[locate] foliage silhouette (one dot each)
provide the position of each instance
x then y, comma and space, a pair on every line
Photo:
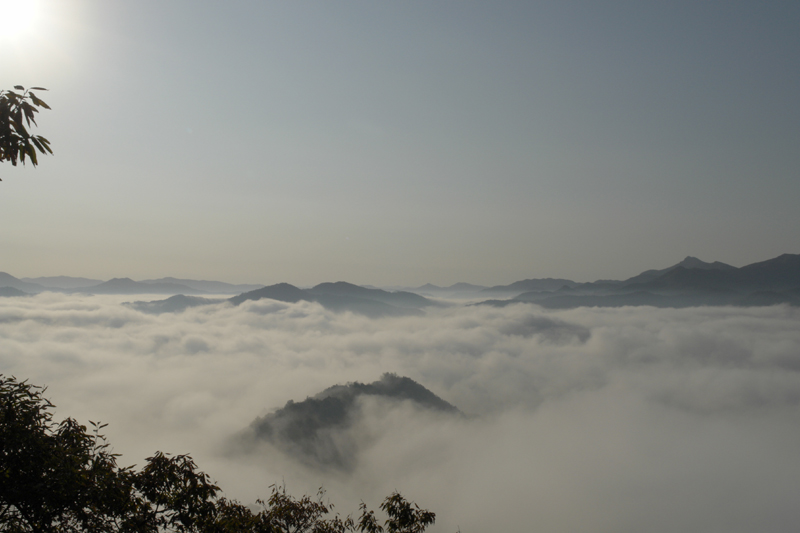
61, 478
17, 113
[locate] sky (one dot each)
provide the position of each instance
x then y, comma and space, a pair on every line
615, 420
401, 143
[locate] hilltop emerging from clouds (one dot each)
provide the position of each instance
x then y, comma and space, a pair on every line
321, 430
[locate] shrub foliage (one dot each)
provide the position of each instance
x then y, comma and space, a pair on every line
62, 478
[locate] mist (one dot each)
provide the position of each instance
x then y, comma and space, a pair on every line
625, 419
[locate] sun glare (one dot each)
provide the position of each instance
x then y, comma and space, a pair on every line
17, 16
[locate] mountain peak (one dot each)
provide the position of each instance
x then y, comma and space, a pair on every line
319, 431
339, 286
692, 262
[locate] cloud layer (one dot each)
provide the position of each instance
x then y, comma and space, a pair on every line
625, 419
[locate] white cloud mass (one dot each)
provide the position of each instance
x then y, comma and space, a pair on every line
623, 420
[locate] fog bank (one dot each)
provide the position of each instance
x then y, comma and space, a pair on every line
628, 419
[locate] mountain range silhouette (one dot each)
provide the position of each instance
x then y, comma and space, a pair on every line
690, 282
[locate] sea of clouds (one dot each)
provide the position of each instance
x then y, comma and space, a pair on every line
618, 420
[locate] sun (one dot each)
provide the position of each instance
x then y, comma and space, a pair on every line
17, 16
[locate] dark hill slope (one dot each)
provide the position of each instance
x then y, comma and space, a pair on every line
316, 430
782, 272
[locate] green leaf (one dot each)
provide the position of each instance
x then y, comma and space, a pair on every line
37, 101
46, 144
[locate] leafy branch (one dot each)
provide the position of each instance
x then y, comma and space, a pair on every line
17, 114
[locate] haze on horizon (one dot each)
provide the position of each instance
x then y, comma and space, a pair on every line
403, 143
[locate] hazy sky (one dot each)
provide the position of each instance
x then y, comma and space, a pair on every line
403, 142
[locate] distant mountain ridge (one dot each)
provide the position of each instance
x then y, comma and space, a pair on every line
173, 304
688, 263
10, 292
338, 296
283, 292
128, 286
205, 286
343, 296
456, 287
526, 285
71, 284
686, 284
397, 298
689, 282
63, 282
7, 280
782, 272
